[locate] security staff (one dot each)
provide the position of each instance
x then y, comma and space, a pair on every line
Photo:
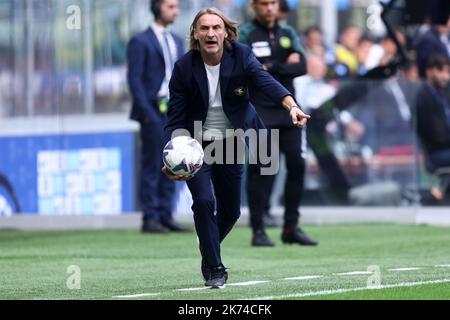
278, 48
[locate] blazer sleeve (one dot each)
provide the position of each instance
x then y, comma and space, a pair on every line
136, 53
263, 81
178, 104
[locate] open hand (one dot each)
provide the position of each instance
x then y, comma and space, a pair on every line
173, 177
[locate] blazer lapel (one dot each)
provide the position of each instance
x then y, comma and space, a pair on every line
226, 69
200, 77
155, 42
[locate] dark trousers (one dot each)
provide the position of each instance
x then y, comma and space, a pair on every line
215, 188
259, 187
157, 191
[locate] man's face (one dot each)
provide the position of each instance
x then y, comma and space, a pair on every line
317, 68
439, 77
266, 10
210, 33
314, 39
169, 11
350, 38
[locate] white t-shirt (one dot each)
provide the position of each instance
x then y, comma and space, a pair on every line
216, 121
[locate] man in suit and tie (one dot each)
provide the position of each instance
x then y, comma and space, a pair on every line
210, 85
151, 55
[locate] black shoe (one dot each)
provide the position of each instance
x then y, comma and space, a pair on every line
153, 226
217, 277
261, 239
174, 227
297, 236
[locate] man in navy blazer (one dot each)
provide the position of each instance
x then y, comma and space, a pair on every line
151, 55
210, 85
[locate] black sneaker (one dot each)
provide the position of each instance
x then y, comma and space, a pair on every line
261, 239
217, 277
297, 235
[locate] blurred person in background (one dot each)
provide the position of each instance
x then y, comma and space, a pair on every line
346, 59
381, 54
283, 12
313, 43
434, 41
314, 91
362, 51
151, 56
433, 111
278, 49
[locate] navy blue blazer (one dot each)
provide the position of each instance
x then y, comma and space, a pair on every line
189, 97
146, 72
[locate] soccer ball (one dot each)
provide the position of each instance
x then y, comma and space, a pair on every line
183, 156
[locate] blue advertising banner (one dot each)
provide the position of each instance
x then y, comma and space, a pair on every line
83, 174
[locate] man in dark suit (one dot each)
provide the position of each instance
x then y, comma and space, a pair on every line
433, 111
151, 56
210, 85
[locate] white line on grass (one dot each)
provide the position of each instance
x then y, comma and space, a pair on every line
193, 289
303, 278
247, 283
353, 273
443, 266
405, 269
139, 295
337, 291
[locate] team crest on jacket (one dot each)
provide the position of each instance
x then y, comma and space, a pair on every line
239, 91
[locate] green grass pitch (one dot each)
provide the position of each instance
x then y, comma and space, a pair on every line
114, 263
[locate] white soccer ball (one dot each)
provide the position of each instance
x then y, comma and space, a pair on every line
183, 156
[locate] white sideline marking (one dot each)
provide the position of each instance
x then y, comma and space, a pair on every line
193, 289
405, 269
247, 283
337, 291
138, 295
303, 278
443, 266
353, 273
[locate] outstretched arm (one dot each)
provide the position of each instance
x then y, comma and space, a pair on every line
275, 91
